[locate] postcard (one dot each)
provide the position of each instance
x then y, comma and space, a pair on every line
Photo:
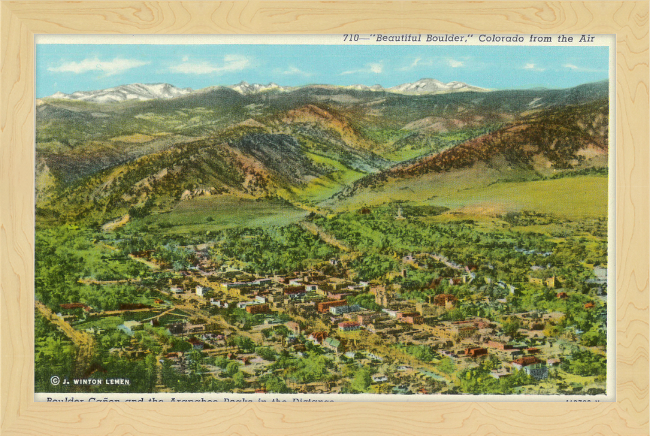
416, 217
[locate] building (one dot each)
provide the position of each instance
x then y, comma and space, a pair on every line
257, 308
324, 306
500, 373
339, 310
463, 329
293, 327
332, 344
336, 283
549, 282
176, 328
367, 318
522, 362
200, 290
218, 303
196, 344
317, 338
475, 352
129, 327
410, 317
381, 296
194, 328
294, 291
337, 295
447, 301
500, 345
379, 378
348, 326
537, 370
278, 300
235, 285
70, 306
391, 313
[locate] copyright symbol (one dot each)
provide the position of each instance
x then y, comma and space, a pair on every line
55, 380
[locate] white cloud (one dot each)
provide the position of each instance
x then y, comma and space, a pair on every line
573, 67
110, 68
230, 63
533, 67
375, 67
295, 71
417, 62
454, 63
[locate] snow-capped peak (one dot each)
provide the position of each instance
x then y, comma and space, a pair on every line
135, 91
244, 87
432, 86
367, 88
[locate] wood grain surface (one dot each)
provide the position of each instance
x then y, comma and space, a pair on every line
20, 21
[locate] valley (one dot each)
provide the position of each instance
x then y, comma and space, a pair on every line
323, 239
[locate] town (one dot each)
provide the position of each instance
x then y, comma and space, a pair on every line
213, 324
422, 238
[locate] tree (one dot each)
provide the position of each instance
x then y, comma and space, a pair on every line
195, 361
232, 368
275, 384
447, 366
511, 327
361, 380
267, 353
383, 388
239, 379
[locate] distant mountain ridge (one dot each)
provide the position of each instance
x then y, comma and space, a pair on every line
135, 91
305, 145
433, 86
161, 91
245, 88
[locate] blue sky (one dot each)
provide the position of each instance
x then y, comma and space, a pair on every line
75, 67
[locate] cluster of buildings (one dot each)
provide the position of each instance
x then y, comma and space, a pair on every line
322, 312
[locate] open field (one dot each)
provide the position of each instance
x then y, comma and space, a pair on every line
222, 212
571, 197
576, 197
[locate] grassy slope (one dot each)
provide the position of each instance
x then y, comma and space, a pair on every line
225, 212
324, 187
576, 197
571, 197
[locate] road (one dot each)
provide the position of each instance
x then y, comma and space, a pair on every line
84, 342
326, 237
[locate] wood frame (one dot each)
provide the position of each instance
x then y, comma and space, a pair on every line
20, 21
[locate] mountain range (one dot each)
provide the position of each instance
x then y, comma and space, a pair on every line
136, 91
315, 147
142, 92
